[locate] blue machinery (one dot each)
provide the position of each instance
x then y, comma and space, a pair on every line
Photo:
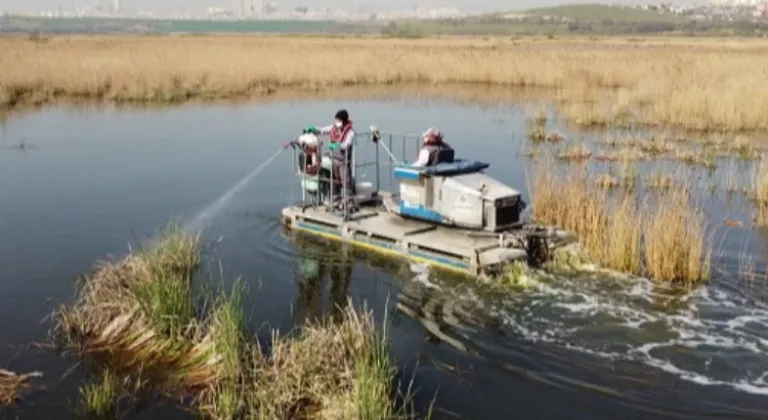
451, 215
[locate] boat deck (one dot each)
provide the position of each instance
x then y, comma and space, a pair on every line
376, 229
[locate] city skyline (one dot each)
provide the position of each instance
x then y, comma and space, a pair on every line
165, 6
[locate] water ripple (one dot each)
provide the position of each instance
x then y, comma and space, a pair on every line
646, 332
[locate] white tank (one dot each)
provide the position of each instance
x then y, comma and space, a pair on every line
309, 139
364, 189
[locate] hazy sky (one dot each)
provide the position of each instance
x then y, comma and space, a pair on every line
198, 5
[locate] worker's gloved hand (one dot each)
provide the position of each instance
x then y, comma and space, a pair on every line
334, 146
311, 129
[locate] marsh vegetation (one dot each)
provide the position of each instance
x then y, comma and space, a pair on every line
638, 201
701, 85
138, 318
639, 198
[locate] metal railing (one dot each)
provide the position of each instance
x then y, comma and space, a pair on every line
366, 148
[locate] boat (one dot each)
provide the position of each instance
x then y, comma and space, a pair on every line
450, 216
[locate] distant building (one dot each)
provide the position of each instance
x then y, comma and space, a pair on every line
761, 10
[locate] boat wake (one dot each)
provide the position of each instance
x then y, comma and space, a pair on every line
709, 336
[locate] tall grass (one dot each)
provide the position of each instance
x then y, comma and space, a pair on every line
675, 242
761, 192
685, 83
623, 245
554, 195
664, 239
137, 316
98, 400
331, 370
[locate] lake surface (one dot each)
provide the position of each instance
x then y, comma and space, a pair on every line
92, 182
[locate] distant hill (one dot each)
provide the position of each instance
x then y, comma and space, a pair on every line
599, 12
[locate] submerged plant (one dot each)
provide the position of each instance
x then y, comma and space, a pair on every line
568, 259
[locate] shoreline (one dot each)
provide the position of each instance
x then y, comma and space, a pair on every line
482, 96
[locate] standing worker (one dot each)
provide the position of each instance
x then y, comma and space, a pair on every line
342, 139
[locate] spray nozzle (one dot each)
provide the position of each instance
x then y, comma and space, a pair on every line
375, 136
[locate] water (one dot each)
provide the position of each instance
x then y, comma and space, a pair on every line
203, 218
588, 347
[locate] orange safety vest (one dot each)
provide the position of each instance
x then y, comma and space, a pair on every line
337, 135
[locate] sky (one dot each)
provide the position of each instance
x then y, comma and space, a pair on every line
33, 6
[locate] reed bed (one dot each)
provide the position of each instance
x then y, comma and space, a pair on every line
675, 242
702, 86
761, 192
137, 316
661, 236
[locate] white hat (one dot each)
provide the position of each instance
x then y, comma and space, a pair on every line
309, 139
431, 131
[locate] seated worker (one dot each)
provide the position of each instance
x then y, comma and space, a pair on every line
434, 151
342, 139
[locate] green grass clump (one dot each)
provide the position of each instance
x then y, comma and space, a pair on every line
228, 326
99, 400
331, 370
166, 301
138, 314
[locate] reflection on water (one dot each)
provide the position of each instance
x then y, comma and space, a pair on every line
316, 270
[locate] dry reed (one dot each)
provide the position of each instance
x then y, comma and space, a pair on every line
623, 243
688, 84
761, 192
329, 371
664, 240
569, 202
137, 315
139, 311
675, 243
577, 152
12, 385
660, 181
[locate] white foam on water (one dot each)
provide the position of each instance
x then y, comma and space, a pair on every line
203, 218
421, 272
684, 335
